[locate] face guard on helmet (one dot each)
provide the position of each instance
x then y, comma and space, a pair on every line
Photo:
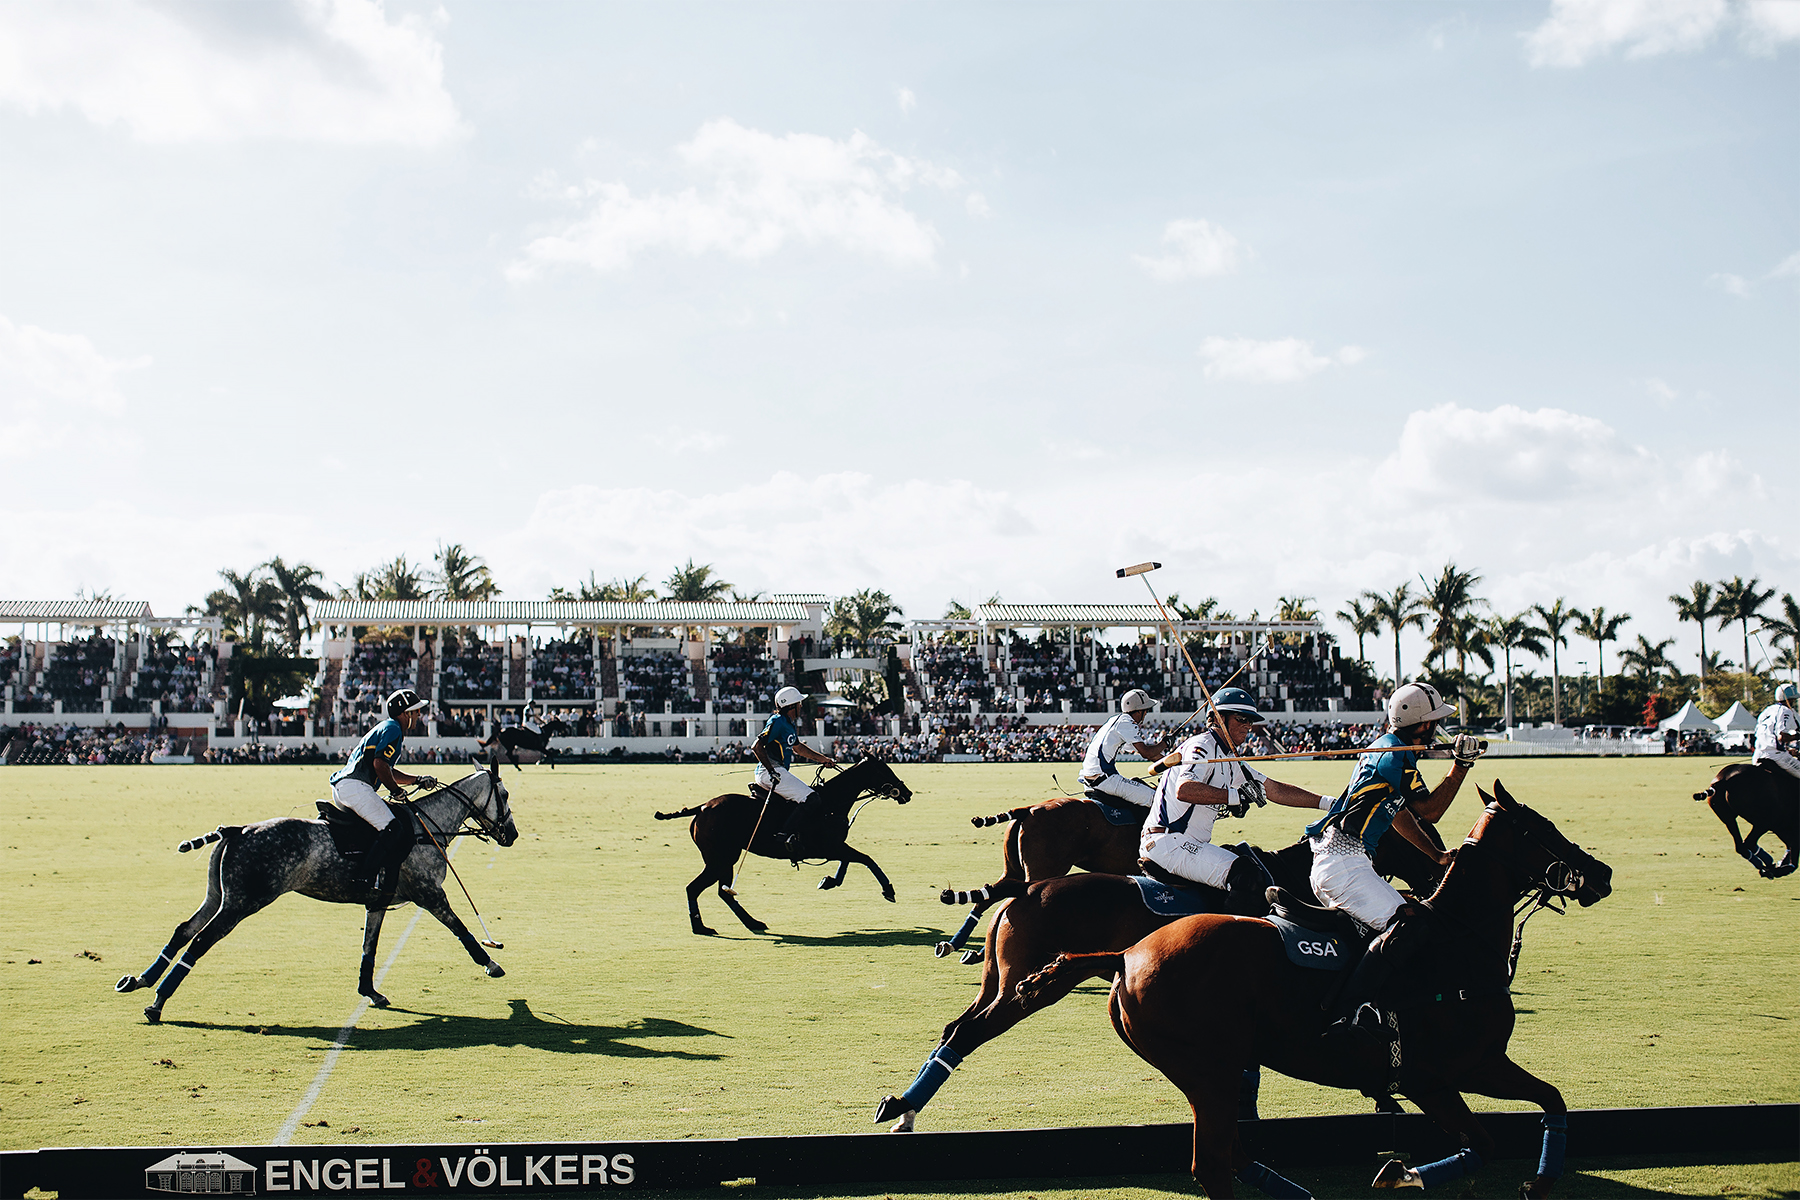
1414, 703
1135, 701
404, 701
787, 697
1236, 700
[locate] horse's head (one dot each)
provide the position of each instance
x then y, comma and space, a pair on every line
1542, 857
494, 812
881, 780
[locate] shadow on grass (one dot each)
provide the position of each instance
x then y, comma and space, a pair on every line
919, 936
522, 1027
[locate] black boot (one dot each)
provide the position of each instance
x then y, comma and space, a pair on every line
1387, 953
385, 858
792, 837
1244, 888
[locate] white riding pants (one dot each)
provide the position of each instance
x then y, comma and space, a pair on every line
1780, 758
783, 783
1190, 853
353, 795
1122, 787
1343, 877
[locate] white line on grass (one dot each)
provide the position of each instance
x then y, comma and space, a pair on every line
343, 1037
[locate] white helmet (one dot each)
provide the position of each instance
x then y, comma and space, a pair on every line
1415, 702
1787, 693
787, 696
1136, 700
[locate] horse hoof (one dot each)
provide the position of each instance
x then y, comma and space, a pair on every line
905, 1123
375, 998
971, 957
942, 950
888, 896
827, 883
153, 1013
705, 931
1396, 1174
756, 927
129, 983
494, 970
889, 1108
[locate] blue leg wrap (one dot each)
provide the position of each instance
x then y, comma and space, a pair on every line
1556, 1141
177, 973
1463, 1162
1269, 1183
1247, 1090
931, 1077
968, 927
155, 970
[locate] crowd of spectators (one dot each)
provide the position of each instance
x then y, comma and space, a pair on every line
563, 670
1134, 665
743, 678
172, 673
78, 670
1042, 674
657, 681
371, 672
470, 672
79, 745
955, 673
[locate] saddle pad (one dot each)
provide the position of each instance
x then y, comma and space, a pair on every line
1118, 814
1310, 948
1166, 901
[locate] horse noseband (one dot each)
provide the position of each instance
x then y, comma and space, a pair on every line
1563, 879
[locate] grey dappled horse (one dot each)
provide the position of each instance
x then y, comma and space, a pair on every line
254, 864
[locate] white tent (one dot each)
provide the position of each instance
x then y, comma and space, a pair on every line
1689, 717
1736, 719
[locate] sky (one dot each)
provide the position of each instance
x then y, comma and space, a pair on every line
947, 300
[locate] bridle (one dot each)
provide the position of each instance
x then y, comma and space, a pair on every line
484, 829
1560, 882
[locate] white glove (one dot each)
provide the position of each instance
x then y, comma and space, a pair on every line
1466, 748
1235, 802
1253, 790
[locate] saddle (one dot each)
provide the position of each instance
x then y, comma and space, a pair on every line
350, 833
1115, 812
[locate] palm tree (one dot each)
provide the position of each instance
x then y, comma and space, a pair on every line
696, 584
862, 615
1600, 629
297, 585
1193, 612
460, 575
1555, 619
1450, 597
397, 580
1361, 621
1739, 601
1785, 628
1508, 633
1397, 610
622, 590
245, 605
1529, 687
1648, 659
1698, 606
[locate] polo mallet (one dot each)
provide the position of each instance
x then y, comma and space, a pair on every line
487, 941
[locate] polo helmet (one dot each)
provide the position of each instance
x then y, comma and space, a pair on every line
1236, 700
787, 697
1413, 703
1787, 692
1136, 700
404, 701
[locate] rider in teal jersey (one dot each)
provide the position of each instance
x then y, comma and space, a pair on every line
371, 765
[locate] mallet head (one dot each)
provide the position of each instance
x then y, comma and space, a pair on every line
1143, 568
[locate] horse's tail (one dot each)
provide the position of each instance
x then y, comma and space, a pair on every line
1011, 814
1703, 797
1067, 970
1006, 889
218, 835
676, 816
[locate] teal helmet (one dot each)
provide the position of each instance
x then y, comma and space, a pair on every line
1787, 692
1236, 700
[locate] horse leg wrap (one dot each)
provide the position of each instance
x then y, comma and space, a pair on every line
1463, 1162
931, 1077
1556, 1141
177, 973
1247, 1091
1270, 1184
968, 927
155, 970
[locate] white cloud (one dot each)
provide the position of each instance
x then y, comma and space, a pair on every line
318, 70
907, 100
1660, 390
1511, 455
1283, 360
1737, 285
1725, 281
1193, 249
759, 192
977, 205
1577, 31
40, 369
1788, 267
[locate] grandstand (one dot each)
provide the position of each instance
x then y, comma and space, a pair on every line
110, 662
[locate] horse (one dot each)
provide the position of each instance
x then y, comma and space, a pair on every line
254, 864
515, 744
726, 826
1756, 793
1078, 914
1047, 841
1174, 990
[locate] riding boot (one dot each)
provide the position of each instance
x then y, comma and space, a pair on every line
792, 836
1244, 888
385, 859
1404, 937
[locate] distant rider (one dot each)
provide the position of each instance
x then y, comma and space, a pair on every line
354, 789
1100, 771
775, 748
1177, 836
1776, 729
1386, 790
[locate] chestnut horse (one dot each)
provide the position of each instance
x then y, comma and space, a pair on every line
1178, 988
1079, 914
1765, 797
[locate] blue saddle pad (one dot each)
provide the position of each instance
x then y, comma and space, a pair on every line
1166, 901
1118, 814
1310, 948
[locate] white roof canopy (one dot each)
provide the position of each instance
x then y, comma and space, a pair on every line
1735, 718
1688, 716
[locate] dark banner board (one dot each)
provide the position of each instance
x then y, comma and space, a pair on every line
602, 1168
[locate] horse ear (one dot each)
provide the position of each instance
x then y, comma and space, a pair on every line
1501, 794
494, 769
1485, 798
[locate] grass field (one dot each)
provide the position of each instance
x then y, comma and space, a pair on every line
615, 1022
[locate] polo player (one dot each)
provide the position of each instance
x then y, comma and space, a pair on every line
354, 789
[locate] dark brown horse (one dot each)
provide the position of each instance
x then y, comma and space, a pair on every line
1046, 841
725, 826
1179, 987
1080, 914
1766, 798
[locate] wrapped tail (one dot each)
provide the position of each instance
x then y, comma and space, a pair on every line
676, 816
1011, 814
1005, 889
205, 839
1069, 970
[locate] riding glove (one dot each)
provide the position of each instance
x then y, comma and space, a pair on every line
1466, 748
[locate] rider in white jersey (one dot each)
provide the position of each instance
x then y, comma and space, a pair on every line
1776, 730
1100, 772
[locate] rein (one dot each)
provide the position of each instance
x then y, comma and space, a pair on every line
1559, 882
